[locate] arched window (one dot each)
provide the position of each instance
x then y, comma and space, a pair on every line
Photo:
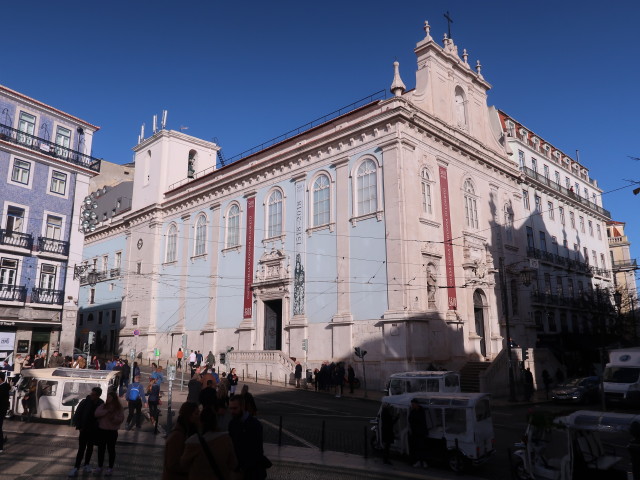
367, 188
460, 108
274, 215
201, 236
321, 201
172, 244
470, 207
426, 192
233, 226
191, 164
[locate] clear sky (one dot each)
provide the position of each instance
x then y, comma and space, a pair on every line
245, 72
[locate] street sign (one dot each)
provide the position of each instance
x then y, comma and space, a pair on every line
184, 341
136, 332
156, 352
132, 353
305, 344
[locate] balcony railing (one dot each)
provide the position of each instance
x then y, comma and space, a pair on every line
44, 295
594, 301
51, 245
9, 134
13, 293
558, 260
625, 264
115, 272
16, 239
569, 193
618, 240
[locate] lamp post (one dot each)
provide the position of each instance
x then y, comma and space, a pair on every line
360, 354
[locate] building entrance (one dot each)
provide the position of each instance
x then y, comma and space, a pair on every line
273, 325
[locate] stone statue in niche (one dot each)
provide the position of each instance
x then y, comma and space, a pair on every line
298, 287
432, 286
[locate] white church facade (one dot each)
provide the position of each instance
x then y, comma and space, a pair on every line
383, 228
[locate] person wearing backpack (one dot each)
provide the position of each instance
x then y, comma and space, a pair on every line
135, 397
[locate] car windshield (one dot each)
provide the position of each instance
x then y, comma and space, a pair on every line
576, 382
621, 374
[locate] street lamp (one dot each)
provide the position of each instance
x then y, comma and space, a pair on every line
360, 354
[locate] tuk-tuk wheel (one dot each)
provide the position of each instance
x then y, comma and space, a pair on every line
457, 461
519, 470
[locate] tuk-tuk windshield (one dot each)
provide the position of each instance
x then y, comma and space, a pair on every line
74, 392
621, 374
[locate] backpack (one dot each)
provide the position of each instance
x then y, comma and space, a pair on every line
134, 393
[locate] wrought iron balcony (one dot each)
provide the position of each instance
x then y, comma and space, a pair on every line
13, 293
630, 264
51, 245
16, 239
569, 193
44, 295
115, 272
9, 134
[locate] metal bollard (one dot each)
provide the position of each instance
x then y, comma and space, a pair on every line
256, 376
270, 378
243, 374
280, 432
322, 438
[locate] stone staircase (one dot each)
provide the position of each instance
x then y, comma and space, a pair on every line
470, 375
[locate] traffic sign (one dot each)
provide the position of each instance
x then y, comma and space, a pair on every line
136, 332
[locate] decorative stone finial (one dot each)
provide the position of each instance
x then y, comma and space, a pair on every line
427, 30
479, 68
397, 87
465, 55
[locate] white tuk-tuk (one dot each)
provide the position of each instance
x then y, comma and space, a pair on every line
459, 424
571, 447
53, 392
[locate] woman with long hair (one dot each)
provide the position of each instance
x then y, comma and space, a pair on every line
186, 425
110, 416
153, 394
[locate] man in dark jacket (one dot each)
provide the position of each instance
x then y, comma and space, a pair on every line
56, 360
246, 434
4, 404
298, 374
417, 434
85, 421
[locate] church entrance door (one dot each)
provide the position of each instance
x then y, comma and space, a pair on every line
273, 325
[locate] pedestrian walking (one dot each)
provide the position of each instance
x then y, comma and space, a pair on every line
85, 421
135, 395
316, 376
193, 388
211, 359
528, 384
153, 399
208, 397
351, 378
179, 357
546, 379
298, 374
4, 404
95, 363
110, 416
198, 359
192, 362
417, 434
209, 454
124, 377
386, 431
249, 401
246, 434
186, 425
233, 382
338, 378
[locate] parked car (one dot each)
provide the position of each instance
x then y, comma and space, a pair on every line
577, 390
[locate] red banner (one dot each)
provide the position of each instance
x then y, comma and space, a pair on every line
248, 262
448, 247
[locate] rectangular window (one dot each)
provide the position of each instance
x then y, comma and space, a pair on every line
538, 201
598, 231
572, 219
586, 255
550, 210
582, 224
557, 173
139, 268
118, 260
603, 264
105, 263
554, 245
80, 319
525, 199
113, 317
545, 168
58, 182
570, 287
547, 284
48, 277
54, 227
134, 321
567, 183
99, 318
576, 251
580, 288
521, 159
561, 212
26, 124
63, 139
543, 241
530, 243
8, 271
590, 228
534, 165
551, 320
15, 220
21, 171
586, 193
559, 286
92, 295
593, 199
577, 189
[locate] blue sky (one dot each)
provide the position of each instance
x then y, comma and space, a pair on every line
244, 72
